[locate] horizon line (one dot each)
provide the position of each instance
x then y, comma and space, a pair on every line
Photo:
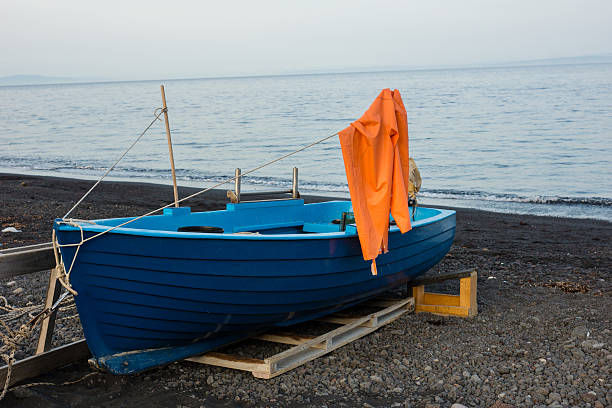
331, 71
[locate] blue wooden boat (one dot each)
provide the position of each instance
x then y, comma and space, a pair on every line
149, 294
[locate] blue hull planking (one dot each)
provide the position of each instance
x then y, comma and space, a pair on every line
149, 295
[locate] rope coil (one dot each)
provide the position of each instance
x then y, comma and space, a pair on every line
12, 340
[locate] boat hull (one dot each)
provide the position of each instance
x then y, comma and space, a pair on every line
146, 300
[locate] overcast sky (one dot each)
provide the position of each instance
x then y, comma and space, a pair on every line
133, 39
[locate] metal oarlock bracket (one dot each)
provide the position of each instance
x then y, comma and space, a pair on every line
236, 195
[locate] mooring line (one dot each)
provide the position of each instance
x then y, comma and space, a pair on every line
157, 115
228, 180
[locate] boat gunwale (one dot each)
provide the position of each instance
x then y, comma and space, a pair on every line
156, 233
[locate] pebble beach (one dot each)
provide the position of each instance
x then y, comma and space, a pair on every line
542, 337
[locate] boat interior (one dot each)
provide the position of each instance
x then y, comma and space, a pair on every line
272, 217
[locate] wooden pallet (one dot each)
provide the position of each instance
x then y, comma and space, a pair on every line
307, 348
463, 305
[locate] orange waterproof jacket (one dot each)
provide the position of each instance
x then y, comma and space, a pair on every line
375, 152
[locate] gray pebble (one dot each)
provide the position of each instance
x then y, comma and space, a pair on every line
589, 396
591, 345
376, 378
580, 332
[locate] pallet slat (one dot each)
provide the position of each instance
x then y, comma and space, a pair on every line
285, 338
230, 361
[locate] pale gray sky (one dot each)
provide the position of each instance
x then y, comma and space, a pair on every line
133, 39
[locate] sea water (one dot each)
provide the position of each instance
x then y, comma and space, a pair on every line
535, 140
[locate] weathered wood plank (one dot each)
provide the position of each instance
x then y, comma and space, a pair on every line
47, 325
39, 364
26, 259
286, 338
231, 361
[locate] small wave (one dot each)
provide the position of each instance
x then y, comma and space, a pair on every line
96, 168
485, 196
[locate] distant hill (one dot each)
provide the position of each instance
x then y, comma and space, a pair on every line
34, 80
587, 59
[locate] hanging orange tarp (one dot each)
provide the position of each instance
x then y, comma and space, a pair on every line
375, 152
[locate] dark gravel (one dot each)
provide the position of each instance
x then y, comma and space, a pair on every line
542, 337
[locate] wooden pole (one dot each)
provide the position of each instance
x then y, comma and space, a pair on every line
237, 184
163, 93
48, 323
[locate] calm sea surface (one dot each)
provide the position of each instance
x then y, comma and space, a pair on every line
534, 140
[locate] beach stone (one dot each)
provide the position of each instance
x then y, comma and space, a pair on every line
18, 291
500, 404
598, 404
11, 283
578, 354
580, 332
457, 405
589, 396
475, 378
554, 396
591, 345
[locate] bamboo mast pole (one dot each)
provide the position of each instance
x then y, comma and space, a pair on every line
163, 93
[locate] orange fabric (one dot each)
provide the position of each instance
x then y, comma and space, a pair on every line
375, 152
